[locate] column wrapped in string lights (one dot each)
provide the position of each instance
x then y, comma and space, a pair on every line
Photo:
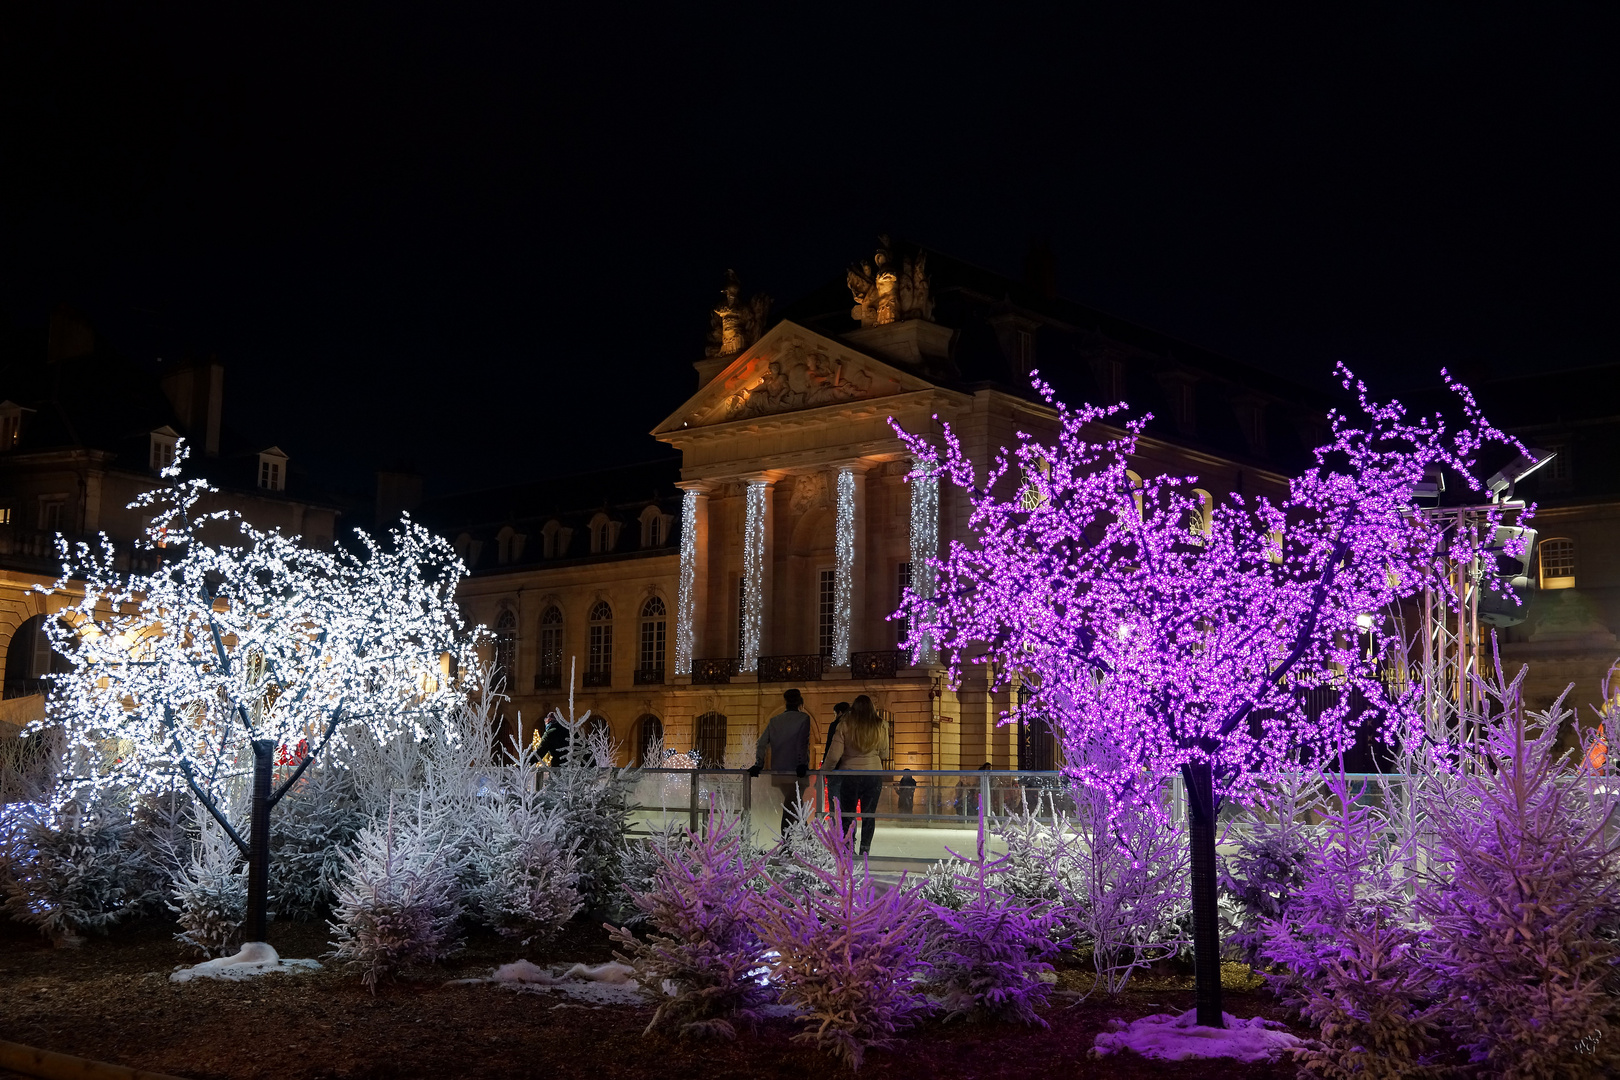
844, 566
924, 548
686, 595
753, 601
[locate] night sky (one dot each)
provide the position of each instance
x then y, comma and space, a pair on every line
483, 239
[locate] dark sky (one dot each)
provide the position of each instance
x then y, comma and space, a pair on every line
484, 238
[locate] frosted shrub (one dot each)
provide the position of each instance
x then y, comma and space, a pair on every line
800, 861
396, 902
1518, 901
1349, 953
848, 956
640, 862
1271, 863
318, 819
592, 808
941, 887
524, 871
73, 870
1039, 865
701, 947
210, 893
990, 954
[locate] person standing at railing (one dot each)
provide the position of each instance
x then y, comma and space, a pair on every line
827, 786
905, 792
787, 737
861, 742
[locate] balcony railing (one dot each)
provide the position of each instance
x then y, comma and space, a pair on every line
598, 678
650, 676
882, 664
715, 670
778, 669
548, 681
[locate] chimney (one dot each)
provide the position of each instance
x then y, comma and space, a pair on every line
398, 490
197, 392
70, 335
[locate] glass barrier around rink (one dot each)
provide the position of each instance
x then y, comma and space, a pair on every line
922, 816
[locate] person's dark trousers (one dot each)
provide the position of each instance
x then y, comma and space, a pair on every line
864, 790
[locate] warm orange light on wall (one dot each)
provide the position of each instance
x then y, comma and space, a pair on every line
1598, 756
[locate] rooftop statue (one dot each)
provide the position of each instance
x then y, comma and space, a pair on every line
887, 290
734, 325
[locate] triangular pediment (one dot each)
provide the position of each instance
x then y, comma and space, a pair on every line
790, 369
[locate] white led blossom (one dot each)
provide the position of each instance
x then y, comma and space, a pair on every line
844, 566
924, 550
753, 574
686, 593
243, 650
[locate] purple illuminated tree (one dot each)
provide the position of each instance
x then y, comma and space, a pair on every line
1187, 637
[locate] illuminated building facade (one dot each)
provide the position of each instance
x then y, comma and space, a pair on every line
770, 553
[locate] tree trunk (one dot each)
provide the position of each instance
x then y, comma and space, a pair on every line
1201, 814
258, 899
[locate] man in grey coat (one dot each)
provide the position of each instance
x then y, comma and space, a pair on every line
788, 738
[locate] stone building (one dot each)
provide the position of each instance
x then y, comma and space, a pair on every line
690, 592
83, 431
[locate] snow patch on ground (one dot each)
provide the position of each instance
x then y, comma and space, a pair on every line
255, 958
604, 984
1164, 1037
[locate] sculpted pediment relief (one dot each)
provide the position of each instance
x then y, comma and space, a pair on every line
789, 371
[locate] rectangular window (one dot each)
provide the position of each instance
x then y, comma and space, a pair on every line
601, 655
1557, 563
652, 644
827, 612
50, 514
5, 515
1559, 472
902, 627
270, 475
551, 647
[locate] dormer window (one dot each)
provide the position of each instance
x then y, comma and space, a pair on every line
604, 534
162, 448
654, 527
10, 425
272, 470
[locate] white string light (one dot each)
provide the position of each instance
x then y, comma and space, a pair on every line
924, 548
686, 598
844, 573
753, 575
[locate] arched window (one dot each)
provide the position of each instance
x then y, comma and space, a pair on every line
648, 735
29, 658
1037, 750
549, 675
651, 666
1135, 482
709, 740
1201, 515
599, 657
505, 659
1557, 562
654, 527
604, 534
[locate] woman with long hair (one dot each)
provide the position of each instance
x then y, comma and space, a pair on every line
861, 742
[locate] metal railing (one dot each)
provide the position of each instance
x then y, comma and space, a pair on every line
878, 664
714, 670
790, 668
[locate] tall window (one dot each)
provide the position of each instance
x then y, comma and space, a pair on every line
652, 635
549, 676
162, 451
649, 732
506, 649
1557, 563
827, 611
710, 739
599, 664
902, 626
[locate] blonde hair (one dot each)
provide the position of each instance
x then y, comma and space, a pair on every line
862, 728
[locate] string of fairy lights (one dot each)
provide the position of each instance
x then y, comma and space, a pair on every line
686, 593
924, 548
844, 566
753, 574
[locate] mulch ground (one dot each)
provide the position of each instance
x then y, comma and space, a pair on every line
110, 999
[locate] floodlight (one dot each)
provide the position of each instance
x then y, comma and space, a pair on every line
1505, 478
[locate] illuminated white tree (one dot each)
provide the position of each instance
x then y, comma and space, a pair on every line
242, 651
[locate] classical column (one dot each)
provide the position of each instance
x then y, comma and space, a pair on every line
693, 588
848, 596
924, 547
756, 570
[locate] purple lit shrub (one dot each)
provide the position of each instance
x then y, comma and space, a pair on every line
1271, 863
702, 953
1349, 952
991, 952
1524, 881
849, 957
